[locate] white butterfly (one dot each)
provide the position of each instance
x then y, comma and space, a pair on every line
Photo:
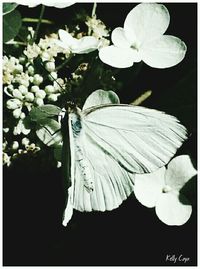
109, 144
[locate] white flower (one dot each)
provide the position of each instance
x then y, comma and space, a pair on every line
161, 190
142, 39
83, 45
6, 159
20, 128
46, 3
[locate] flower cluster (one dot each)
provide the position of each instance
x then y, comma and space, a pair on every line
33, 79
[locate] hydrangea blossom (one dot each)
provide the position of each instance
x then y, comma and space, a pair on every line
46, 3
143, 39
161, 190
83, 45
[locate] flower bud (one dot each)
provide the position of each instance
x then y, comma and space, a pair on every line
23, 89
17, 113
13, 103
17, 94
22, 116
37, 79
49, 89
40, 94
53, 97
53, 76
50, 66
39, 101
25, 141
31, 70
35, 88
29, 97
15, 145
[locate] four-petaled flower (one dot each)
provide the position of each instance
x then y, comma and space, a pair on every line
161, 190
142, 38
46, 3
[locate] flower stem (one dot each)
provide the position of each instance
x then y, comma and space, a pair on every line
94, 9
34, 20
142, 98
39, 23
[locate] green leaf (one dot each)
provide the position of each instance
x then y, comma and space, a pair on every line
49, 133
8, 7
11, 25
41, 113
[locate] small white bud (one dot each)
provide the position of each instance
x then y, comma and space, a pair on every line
59, 164
24, 82
53, 76
40, 94
6, 130
49, 89
53, 97
37, 79
17, 113
45, 56
29, 97
22, 116
39, 101
17, 94
19, 68
35, 88
23, 89
13, 103
15, 145
31, 70
25, 141
50, 66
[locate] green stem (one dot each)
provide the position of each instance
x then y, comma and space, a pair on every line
39, 23
94, 9
34, 20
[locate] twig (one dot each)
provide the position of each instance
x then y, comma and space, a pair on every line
142, 98
39, 23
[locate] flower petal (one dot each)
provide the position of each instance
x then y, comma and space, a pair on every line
117, 57
119, 39
164, 52
146, 22
101, 97
171, 211
148, 187
179, 171
67, 39
85, 45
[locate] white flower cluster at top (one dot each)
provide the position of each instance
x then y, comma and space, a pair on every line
26, 87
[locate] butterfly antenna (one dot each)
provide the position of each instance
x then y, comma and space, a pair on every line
51, 75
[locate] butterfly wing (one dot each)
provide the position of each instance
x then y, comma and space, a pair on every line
117, 141
140, 139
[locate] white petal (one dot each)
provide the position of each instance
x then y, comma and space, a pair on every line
85, 45
146, 22
148, 187
171, 211
164, 52
67, 39
69, 209
119, 39
101, 97
179, 171
117, 57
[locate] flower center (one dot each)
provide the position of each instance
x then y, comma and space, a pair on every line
166, 189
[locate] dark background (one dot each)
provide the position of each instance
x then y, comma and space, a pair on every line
131, 234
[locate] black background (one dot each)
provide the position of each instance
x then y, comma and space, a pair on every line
131, 234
